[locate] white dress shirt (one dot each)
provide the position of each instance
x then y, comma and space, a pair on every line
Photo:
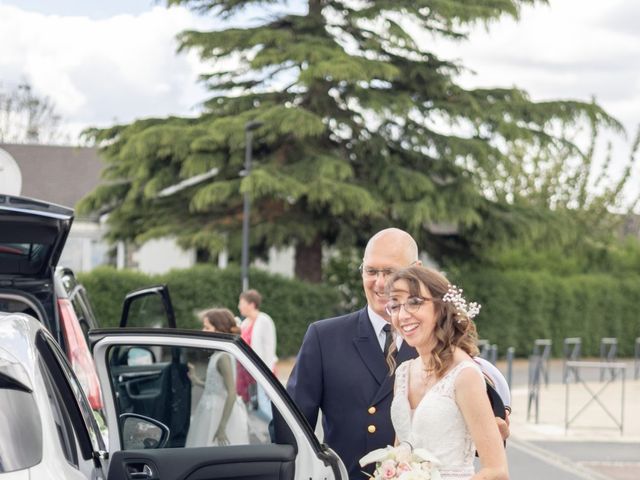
378, 324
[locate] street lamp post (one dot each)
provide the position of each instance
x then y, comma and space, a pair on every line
248, 152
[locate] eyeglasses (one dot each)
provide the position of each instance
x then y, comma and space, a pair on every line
371, 272
412, 305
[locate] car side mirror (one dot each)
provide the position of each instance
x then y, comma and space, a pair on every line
140, 356
140, 432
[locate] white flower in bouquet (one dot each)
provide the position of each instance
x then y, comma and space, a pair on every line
402, 463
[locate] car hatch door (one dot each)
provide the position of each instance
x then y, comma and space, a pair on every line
32, 236
138, 446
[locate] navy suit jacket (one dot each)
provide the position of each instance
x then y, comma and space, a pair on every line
341, 370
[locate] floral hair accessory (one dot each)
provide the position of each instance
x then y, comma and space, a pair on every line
454, 296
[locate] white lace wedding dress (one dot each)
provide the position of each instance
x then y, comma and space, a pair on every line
436, 424
207, 415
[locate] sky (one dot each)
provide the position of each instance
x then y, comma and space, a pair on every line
113, 61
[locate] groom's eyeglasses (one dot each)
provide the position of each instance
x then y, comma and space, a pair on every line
412, 305
371, 272
374, 272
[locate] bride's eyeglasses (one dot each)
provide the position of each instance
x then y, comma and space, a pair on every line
412, 305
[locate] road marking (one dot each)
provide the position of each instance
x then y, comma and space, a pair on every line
556, 460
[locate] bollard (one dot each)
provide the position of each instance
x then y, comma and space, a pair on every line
542, 349
571, 350
636, 360
493, 353
535, 372
510, 354
484, 346
608, 353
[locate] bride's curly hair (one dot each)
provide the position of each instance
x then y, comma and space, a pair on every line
454, 327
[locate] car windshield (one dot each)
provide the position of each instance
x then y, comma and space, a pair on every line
21, 432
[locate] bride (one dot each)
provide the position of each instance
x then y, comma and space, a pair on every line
220, 417
440, 402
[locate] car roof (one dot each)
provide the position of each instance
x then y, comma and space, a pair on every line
18, 355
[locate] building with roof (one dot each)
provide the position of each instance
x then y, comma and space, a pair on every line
64, 175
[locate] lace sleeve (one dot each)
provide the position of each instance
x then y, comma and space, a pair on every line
400, 385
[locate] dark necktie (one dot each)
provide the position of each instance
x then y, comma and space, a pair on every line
387, 339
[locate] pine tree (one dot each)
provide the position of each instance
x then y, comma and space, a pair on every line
363, 126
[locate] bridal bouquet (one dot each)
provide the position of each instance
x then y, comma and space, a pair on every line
402, 462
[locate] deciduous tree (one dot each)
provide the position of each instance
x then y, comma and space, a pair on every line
26, 117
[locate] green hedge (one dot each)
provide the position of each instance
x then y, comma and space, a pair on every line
519, 306
292, 304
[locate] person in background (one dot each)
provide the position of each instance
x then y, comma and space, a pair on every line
259, 332
341, 368
220, 418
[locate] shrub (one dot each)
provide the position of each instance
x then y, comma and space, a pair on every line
517, 306
520, 306
292, 304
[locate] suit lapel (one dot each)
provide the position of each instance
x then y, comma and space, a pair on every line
368, 347
405, 353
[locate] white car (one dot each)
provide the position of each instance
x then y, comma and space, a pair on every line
49, 429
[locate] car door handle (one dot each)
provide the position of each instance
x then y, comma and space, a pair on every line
140, 476
140, 471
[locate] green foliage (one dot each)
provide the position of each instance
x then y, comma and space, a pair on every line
555, 211
293, 305
362, 126
341, 273
107, 288
517, 306
521, 306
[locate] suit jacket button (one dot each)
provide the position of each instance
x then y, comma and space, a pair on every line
371, 429
372, 410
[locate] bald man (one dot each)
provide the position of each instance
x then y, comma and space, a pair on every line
341, 368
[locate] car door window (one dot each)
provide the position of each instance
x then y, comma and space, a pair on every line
148, 307
60, 417
21, 432
74, 402
199, 394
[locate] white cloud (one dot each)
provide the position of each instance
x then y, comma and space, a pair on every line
571, 49
100, 71
105, 69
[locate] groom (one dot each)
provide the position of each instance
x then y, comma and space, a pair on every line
340, 368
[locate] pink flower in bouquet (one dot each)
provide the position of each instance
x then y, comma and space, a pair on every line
402, 463
388, 469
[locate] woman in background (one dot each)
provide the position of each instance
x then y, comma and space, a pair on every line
220, 417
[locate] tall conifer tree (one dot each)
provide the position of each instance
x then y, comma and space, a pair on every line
363, 126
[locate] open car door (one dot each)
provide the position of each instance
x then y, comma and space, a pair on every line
150, 381
283, 447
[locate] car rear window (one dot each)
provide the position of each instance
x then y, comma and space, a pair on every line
21, 432
23, 258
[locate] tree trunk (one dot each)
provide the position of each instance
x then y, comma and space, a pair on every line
308, 264
315, 8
